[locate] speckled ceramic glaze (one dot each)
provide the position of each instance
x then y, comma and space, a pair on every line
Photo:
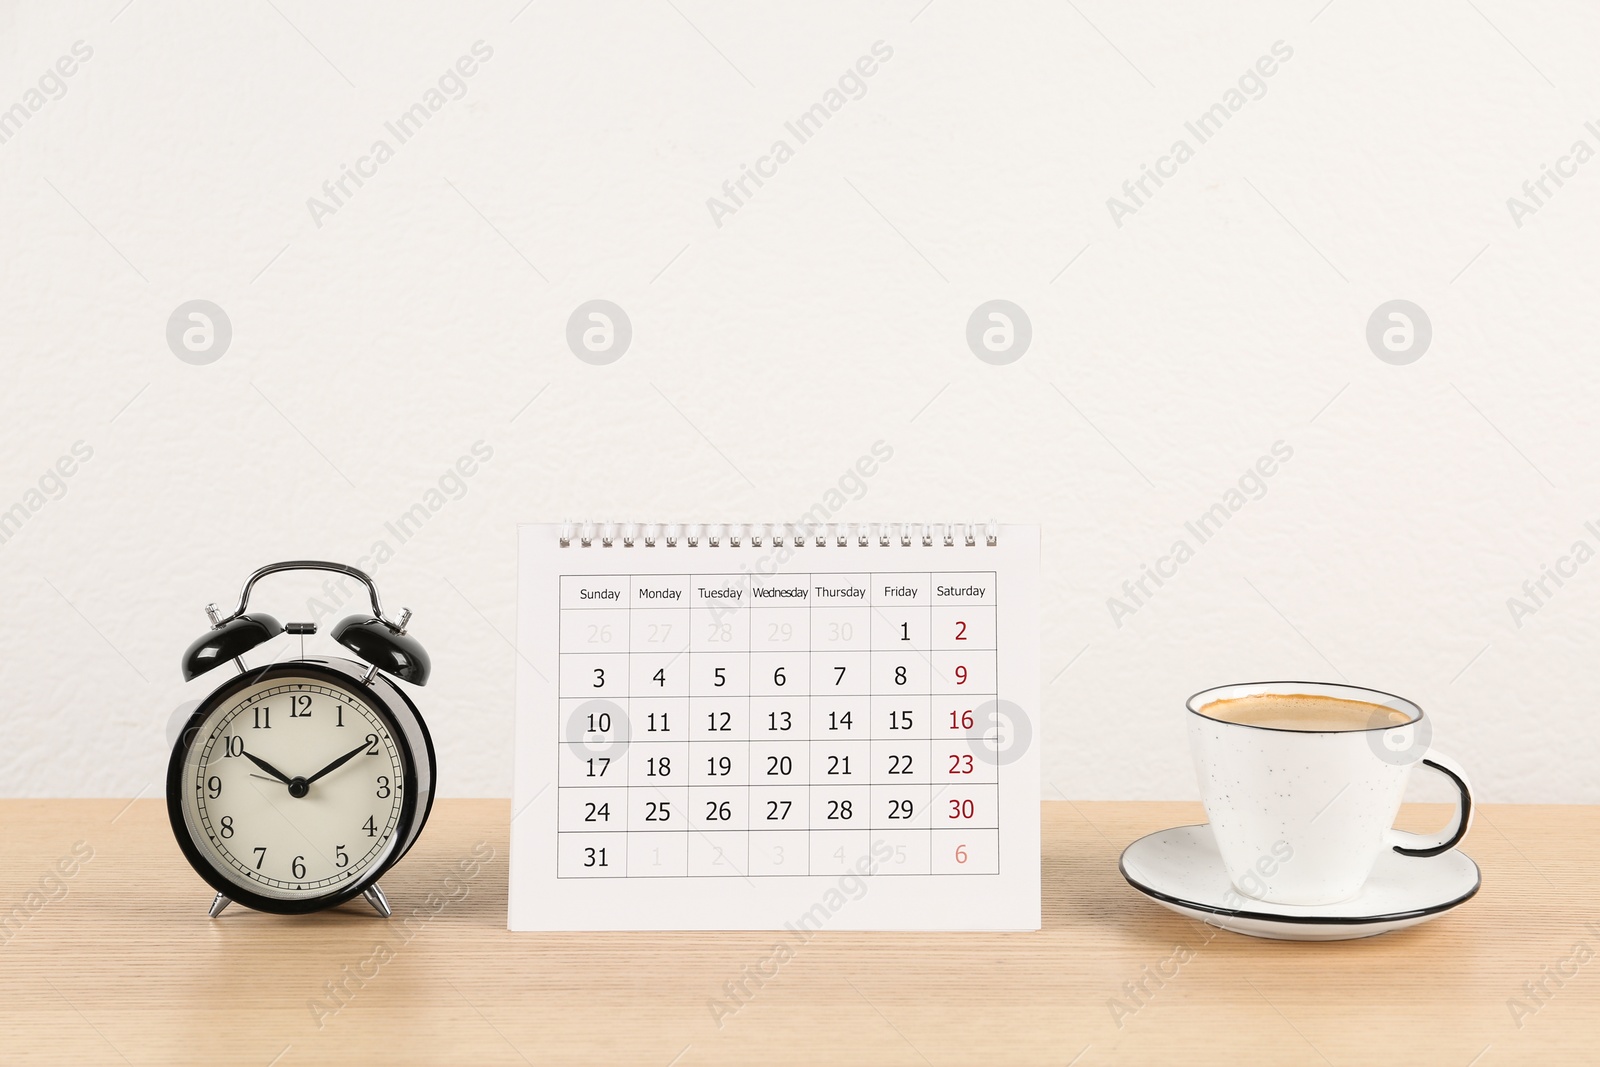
1300, 816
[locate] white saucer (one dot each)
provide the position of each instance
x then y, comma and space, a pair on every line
1181, 869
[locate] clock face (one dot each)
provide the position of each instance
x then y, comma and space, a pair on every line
293, 788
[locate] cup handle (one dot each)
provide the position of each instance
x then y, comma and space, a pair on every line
1424, 845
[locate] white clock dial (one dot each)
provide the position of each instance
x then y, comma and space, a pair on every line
293, 788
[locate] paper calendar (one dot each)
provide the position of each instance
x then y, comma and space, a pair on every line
777, 726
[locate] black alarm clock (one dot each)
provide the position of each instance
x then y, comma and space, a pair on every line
296, 784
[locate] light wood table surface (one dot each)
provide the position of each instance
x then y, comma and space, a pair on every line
119, 963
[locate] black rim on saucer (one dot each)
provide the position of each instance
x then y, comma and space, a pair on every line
1306, 920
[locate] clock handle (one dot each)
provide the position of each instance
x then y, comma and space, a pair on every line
311, 565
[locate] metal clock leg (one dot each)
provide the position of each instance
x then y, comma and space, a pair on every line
218, 906
379, 902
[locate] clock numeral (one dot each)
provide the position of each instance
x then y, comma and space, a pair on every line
232, 746
298, 867
372, 744
261, 854
263, 719
226, 829
341, 857
300, 706
214, 787
371, 826
383, 787
341, 716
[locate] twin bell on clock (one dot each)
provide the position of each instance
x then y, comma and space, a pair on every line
297, 783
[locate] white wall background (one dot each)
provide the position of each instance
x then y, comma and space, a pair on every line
428, 313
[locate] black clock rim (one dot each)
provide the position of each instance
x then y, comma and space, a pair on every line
408, 804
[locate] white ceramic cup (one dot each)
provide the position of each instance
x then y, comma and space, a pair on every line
1300, 816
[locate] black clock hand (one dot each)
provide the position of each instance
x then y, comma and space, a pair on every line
340, 762
269, 768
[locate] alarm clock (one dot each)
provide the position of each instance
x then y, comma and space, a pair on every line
296, 784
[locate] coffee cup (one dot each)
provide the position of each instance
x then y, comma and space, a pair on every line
1302, 781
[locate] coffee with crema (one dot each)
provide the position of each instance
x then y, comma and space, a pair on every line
1305, 712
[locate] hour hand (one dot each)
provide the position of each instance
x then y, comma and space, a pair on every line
340, 762
269, 768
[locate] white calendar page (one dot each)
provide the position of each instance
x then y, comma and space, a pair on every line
777, 736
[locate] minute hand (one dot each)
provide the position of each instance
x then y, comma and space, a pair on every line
340, 762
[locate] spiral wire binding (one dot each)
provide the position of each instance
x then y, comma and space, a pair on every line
778, 533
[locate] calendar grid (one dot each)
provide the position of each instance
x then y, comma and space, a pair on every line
649, 788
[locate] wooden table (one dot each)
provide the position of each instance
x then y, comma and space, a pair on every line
118, 962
